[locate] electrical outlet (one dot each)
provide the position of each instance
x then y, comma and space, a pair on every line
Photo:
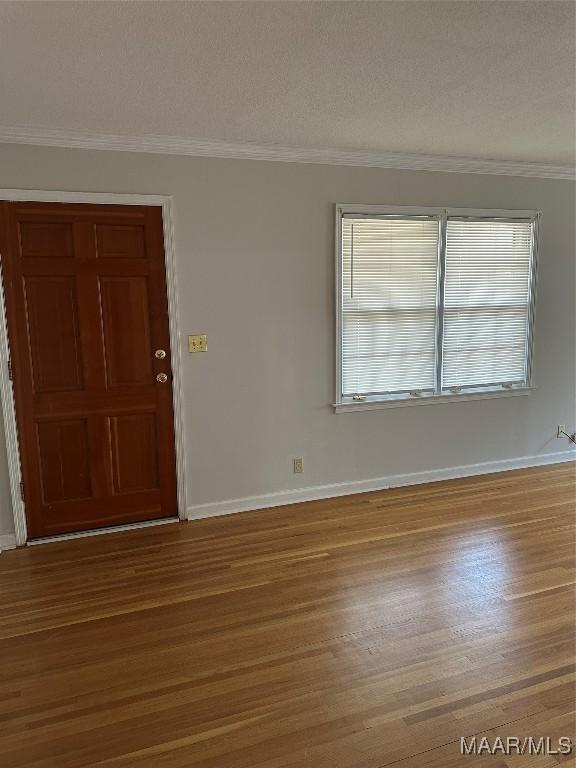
561, 429
198, 343
298, 465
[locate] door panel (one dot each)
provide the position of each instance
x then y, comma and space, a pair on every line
46, 239
86, 303
114, 242
135, 461
53, 337
125, 303
64, 460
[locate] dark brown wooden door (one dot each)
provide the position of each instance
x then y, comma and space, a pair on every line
85, 290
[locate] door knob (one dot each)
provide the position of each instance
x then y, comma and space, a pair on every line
162, 378
160, 354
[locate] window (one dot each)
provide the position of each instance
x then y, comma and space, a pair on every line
433, 303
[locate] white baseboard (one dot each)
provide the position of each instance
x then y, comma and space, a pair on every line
314, 493
7, 541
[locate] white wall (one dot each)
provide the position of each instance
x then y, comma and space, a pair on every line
255, 253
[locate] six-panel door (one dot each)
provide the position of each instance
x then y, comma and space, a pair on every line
85, 290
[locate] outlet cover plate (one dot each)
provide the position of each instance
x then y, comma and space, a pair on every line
198, 343
298, 465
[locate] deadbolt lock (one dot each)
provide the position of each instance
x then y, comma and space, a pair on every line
162, 378
160, 354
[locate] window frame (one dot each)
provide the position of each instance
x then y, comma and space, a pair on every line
344, 404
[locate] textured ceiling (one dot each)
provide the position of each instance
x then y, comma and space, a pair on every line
486, 79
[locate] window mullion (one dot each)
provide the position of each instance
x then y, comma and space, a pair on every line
440, 302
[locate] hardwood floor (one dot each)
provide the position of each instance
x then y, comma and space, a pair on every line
359, 632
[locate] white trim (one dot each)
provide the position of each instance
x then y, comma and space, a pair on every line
10, 429
98, 198
176, 352
338, 303
179, 145
7, 541
100, 531
435, 211
314, 493
401, 402
536, 229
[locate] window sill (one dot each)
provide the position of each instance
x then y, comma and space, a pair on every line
402, 402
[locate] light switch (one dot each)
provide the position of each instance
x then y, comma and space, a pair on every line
198, 343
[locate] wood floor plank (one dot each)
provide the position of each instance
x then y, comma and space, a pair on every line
359, 632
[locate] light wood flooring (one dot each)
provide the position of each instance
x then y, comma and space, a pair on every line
366, 631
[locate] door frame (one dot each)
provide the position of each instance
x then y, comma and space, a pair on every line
6, 391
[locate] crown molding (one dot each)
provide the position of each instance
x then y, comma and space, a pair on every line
174, 145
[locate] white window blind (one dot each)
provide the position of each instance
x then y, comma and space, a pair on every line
433, 302
486, 302
389, 287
